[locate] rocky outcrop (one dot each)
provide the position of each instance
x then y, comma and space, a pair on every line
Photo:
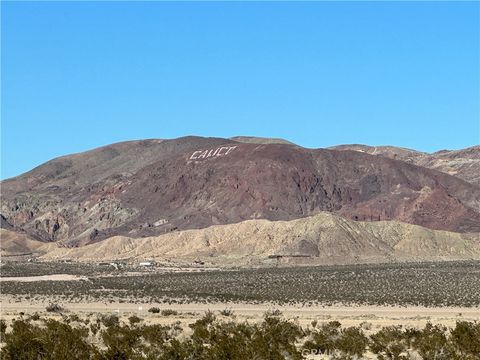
464, 164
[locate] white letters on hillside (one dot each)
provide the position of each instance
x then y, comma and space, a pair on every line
204, 154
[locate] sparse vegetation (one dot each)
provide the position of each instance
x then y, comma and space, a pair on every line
466, 339
226, 312
110, 320
169, 312
212, 338
133, 320
54, 308
3, 328
423, 284
52, 340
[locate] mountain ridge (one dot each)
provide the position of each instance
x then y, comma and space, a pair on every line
462, 163
146, 188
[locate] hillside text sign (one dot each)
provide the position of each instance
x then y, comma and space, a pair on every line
205, 154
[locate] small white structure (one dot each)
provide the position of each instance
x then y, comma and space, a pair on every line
160, 222
147, 263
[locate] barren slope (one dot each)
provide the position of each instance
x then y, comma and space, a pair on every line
323, 238
464, 163
15, 243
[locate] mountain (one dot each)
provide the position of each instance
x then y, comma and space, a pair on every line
464, 164
152, 187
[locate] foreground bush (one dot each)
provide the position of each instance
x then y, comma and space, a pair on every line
275, 338
330, 339
54, 340
54, 308
466, 339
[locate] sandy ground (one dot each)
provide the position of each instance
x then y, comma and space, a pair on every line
370, 318
57, 277
374, 316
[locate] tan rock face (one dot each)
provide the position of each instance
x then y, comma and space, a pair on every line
153, 187
320, 239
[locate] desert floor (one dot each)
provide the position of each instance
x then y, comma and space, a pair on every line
372, 317
390, 294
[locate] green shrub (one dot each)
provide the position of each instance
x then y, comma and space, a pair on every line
35, 317
323, 339
432, 343
273, 312
54, 307
352, 342
74, 318
109, 320
169, 312
3, 329
226, 312
275, 338
465, 337
133, 320
54, 341
157, 334
94, 328
154, 310
389, 343
122, 342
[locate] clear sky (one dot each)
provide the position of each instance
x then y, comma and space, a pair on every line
78, 75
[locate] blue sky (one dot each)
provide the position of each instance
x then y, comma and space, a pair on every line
77, 75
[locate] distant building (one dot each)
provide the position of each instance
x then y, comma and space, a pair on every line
147, 263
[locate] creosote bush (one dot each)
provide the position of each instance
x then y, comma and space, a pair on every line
453, 283
54, 308
210, 338
53, 340
168, 312
226, 312
466, 339
134, 320
110, 320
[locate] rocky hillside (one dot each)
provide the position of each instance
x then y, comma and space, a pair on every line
321, 239
464, 164
152, 187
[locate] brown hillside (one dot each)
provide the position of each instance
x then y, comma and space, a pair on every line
464, 164
151, 187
